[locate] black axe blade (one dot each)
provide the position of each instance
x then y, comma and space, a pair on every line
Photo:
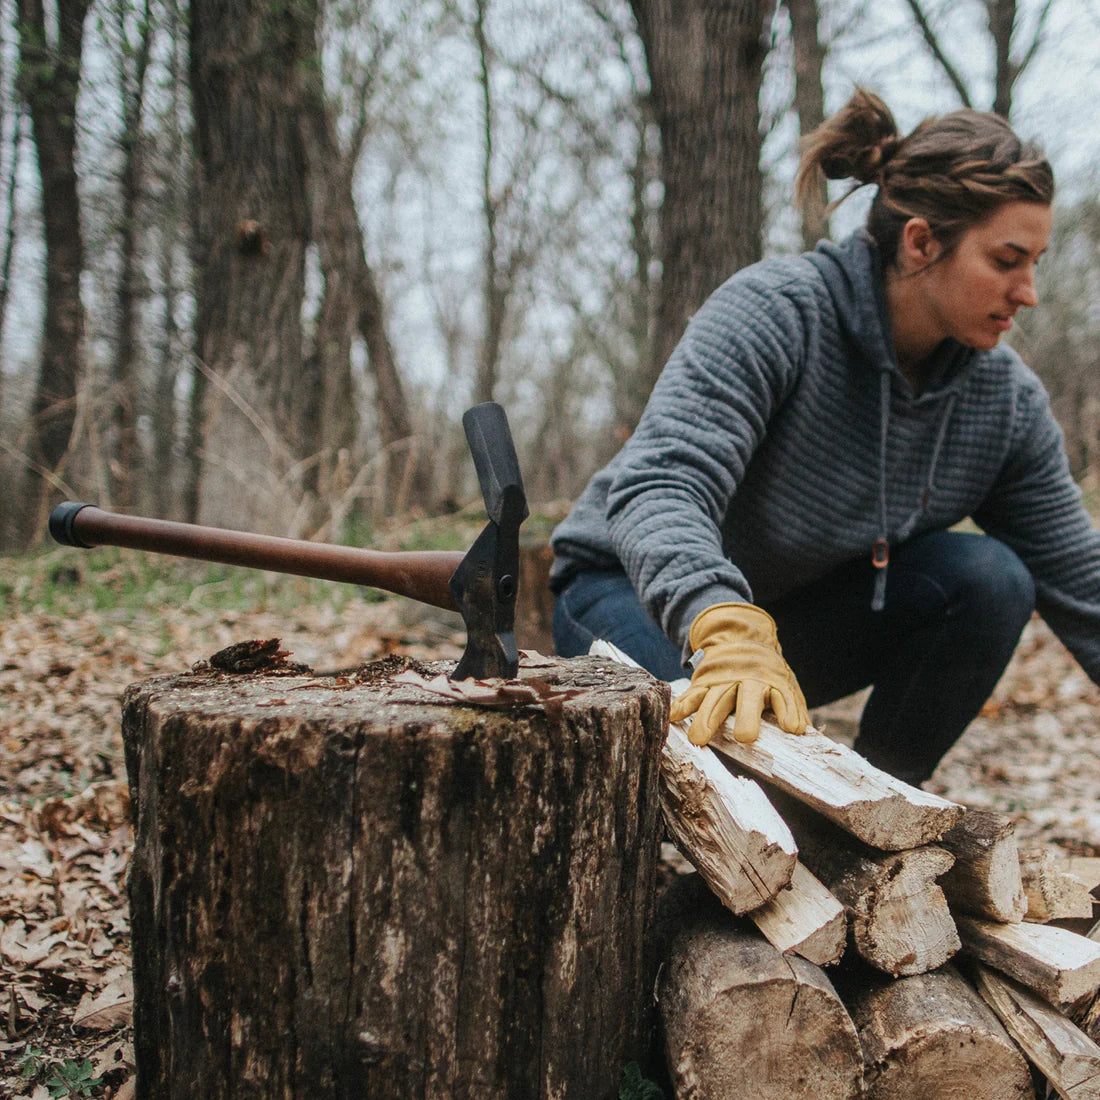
485, 584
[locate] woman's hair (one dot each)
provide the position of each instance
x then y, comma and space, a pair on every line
953, 170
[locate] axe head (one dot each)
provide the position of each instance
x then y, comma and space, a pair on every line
484, 585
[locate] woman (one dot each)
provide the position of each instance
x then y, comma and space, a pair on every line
821, 426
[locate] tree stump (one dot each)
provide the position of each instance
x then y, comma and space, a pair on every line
346, 886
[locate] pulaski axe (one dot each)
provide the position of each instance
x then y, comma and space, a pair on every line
480, 584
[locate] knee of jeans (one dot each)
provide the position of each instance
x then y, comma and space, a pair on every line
996, 584
570, 638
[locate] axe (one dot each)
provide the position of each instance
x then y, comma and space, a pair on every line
480, 584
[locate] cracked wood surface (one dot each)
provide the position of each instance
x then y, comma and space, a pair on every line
344, 886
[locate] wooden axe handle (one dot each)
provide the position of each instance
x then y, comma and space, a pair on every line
420, 575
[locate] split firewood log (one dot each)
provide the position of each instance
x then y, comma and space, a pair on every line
840, 785
985, 879
932, 1035
1062, 1052
805, 918
898, 918
1052, 893
1087, 1014
1085, 868
724, 825
1061, 966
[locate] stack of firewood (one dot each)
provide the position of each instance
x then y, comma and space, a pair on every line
935, 925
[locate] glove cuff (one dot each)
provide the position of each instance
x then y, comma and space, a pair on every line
745, 620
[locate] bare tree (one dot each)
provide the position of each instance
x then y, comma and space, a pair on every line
50, 50
172, 233
809, 101
249, 62
496, 277
133, 49
1011, 58
705, 60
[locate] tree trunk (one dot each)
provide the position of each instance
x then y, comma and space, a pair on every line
125, 383
49, 76
249, 60
352, 301
705, 61
344, 886
1002, 27
809, 101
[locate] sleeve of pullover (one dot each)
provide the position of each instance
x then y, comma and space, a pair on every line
1036, 509
737, 361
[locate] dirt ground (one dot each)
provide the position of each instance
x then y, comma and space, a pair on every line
65, 991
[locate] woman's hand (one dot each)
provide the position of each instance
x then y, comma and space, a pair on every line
743, 672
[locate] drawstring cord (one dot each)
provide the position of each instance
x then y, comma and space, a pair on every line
880, 552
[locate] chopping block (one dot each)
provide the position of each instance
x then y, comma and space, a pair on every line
350, 886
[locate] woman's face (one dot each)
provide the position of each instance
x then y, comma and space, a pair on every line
973, 293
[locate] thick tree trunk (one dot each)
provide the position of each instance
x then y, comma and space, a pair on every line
705, 63
249, 61
49, 75
344, 886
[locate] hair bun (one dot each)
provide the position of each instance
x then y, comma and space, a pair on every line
855, 143
862, 163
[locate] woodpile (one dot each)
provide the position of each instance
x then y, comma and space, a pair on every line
935, 926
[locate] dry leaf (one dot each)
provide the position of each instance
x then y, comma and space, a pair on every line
111, 1008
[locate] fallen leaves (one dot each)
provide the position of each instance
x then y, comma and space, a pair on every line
65, 840
65, 843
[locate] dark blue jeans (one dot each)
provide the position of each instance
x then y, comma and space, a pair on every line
955, 606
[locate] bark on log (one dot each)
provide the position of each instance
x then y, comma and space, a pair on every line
742, 1020
985, 880
1067, 1057
931, 1035
1059, 965
347, 887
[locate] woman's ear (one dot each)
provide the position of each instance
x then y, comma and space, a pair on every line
918, 246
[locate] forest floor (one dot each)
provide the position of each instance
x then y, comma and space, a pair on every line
65, 841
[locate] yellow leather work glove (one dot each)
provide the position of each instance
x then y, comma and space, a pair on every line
743, 671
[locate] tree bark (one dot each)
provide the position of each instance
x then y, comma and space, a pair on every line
249, 61
932, 1035
125, 383
809, 101
742, 1020
344, 886
49, 77
705, 61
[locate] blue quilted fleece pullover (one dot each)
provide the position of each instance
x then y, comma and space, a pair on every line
782, 441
